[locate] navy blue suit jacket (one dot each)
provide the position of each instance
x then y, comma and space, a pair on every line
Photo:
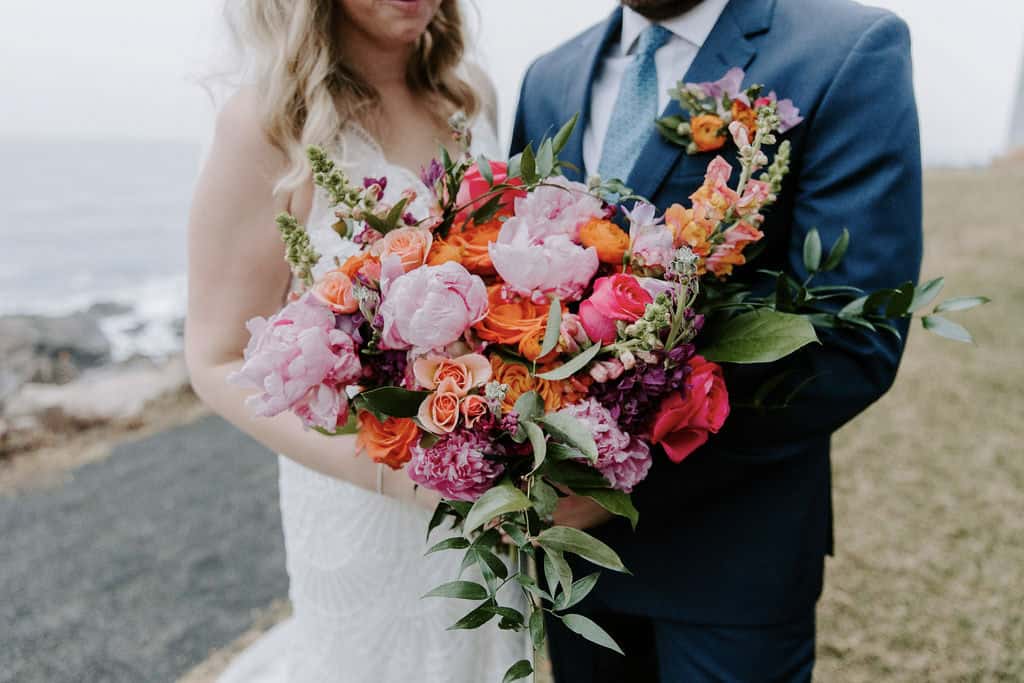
738, 532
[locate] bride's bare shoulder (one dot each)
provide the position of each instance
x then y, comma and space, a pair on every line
240, 135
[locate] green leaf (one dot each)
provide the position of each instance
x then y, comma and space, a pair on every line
583, 626
515, 166
580, 590
557, 572
926, 293
853, 309
567, 429
475, 619
545, 498
527, 582
568, 540
440, 512
461, 590
529, 406
615, 502
538, 442
537, 632
485, 169
962, 303
487, 211
514, 532
575, 364
553, 328
518, 671
574, 474
761, 336
455, 543
837, 252
500, 500
528, 165
393, 401
561, 451
545, 159
511, 618
493, 563
812, 250
564, 133
947, 328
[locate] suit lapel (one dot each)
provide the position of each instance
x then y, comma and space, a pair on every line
726, 47
578, 91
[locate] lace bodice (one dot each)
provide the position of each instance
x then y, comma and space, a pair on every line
356, 558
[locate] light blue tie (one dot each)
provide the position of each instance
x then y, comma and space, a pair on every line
635, 109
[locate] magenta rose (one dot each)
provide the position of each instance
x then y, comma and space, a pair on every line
685, 420
431, 307
474, 186
616, 297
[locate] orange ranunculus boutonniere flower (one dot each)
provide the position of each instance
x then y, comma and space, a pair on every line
610, 241
707, 132
389, 442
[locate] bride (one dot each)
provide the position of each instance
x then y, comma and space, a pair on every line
373, 81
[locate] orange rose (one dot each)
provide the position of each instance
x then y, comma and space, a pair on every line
746, 116
474, 240
364, 263
439, 412
508, 321
519, 381
335, 290
473, 408
410, 244
389, 442
529, 345
610, 241
706, 130
467, 372
443, 251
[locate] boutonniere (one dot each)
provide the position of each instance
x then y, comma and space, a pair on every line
714, 106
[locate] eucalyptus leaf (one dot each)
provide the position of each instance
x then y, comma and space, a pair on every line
947, 328
461, 590
812, 250
962, 303
545, 159
499, 500
900, 301
486, 172
574, 365
518, 671
564, 133
528, 165
553, 328
761, 336
574, 474
529, 406
568, 540
926, 293
615, 502
581, 625
545, 498
837, 252
538, 443
568, 429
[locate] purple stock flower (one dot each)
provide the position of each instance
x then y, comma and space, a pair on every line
431, 173
634, 397
729, 84
381, 182
386, 369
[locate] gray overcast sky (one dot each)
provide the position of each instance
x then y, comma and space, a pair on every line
121, 68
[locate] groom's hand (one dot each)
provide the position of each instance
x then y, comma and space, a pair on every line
580, 512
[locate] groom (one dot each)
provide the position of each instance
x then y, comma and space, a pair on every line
727, 563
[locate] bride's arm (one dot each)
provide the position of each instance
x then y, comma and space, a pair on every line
237, 271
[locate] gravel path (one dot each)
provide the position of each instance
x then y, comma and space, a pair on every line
143, 562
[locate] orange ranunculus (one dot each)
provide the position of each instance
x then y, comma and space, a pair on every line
688, 228
364, 263
706, 130
443, 251
389, 442
746, 116
335, 290
474, 240
519, 381
508, 321
410, 244
610, 241
529, 345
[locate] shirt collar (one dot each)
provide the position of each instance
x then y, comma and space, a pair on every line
693, 26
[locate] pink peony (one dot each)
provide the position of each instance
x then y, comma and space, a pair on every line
456, 466
431, 306
536, 266
623, 460
651, 243
559, 207
299, 361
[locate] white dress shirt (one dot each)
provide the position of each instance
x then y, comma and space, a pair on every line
689, 31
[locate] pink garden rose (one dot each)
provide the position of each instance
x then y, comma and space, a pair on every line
616, 297
456, 466
685, 419
474, 186
623, 460
539, 266
431, 306
299, 361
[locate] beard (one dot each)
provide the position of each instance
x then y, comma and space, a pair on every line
661, 9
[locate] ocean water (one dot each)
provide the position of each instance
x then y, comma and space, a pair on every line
89, 222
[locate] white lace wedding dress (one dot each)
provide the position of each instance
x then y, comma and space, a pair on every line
356, 558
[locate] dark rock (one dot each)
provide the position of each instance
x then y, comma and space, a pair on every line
108, 309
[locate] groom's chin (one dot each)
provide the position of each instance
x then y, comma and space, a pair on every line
661, 9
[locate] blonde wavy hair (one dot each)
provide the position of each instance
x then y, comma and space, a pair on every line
307, 92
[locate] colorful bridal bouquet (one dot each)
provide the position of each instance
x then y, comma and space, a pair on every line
515, 343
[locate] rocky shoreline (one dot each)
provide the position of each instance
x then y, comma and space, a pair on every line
59, 379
